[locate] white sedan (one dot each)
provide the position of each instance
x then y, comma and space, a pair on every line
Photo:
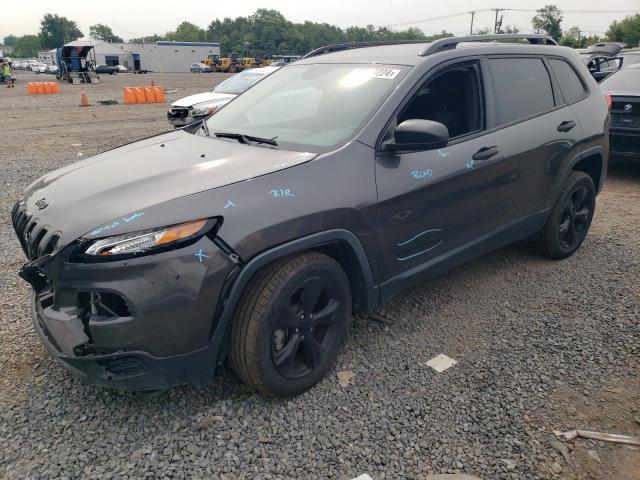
38, 68
195, 107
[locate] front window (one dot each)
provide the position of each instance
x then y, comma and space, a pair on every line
309, 107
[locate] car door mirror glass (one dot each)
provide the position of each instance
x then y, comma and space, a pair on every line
418, 134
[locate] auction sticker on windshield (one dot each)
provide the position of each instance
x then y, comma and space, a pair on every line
386, 73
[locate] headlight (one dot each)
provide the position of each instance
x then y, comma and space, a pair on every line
145, 240
202, 111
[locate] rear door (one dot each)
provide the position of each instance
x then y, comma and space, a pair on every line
538, 131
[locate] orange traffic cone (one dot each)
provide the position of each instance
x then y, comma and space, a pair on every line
160, 98
84, 102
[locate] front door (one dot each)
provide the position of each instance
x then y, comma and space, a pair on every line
432, 202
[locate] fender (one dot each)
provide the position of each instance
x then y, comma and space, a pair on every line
372, 299
597, 150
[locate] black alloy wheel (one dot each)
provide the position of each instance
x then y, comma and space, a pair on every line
570, 217
290, 324
305, 326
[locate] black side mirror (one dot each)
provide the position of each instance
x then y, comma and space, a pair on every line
417, 134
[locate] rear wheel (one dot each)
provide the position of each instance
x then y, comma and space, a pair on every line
290, 324
570, 217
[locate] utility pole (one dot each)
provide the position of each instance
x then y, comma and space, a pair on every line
473, 14
497, 24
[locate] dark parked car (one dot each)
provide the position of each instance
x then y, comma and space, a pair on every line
624, 132
106, 69
325, 189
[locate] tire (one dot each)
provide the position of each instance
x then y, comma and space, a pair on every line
232, 69
290, 324
570, 218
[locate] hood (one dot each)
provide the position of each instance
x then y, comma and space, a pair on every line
85, 195
192, 100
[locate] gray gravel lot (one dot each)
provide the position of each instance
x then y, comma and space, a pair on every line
540, 345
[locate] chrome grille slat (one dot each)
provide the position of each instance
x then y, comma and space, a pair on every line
34, 242
35, 238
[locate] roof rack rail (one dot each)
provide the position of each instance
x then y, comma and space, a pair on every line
348, 46
451, 42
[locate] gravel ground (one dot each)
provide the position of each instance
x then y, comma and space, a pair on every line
540, 346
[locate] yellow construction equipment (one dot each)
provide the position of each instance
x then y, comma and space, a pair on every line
247, 62
212, 61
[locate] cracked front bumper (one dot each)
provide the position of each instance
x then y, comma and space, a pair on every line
161, 333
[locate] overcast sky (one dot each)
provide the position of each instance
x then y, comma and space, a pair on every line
137, 18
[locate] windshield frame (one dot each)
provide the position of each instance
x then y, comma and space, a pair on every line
303, 147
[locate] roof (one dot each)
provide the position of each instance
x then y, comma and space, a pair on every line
83, 43
401, 54
414, 52
187, 44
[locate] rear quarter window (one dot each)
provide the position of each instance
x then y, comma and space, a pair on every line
570, 84
521, 87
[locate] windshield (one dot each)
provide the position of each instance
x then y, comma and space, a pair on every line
309, 105
626, 79
239, 83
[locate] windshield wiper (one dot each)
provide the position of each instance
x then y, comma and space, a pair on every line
242, 138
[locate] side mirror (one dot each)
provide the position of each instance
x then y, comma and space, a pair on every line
417, 134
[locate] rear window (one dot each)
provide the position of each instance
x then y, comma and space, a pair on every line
627, 79
570, 84
521, 88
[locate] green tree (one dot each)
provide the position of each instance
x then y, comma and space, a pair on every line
591, 40
626, 30
548, 20
268, 32
572, 38
510, 29
10, 40
55, 31
27, 46
103, 32
187, 32
148, 39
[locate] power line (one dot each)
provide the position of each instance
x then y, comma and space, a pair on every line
433, 19
496, 10
573, 11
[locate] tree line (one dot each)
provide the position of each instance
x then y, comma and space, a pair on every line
268, 32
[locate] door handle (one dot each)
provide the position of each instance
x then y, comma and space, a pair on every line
485, 153
566, 126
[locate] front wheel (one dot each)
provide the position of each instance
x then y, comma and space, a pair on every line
570, 217
290, 324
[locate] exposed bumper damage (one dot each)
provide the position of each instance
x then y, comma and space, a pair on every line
139, 324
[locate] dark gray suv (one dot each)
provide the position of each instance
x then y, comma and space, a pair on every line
324, 190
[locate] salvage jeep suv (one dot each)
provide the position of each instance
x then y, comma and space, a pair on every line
328, 187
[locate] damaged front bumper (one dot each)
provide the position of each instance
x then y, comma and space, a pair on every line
138, 324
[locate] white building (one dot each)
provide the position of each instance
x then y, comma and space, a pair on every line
162, 56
